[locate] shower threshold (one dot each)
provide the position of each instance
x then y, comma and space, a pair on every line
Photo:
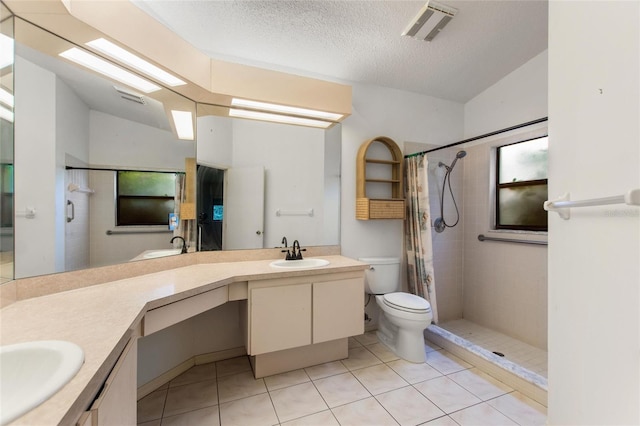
527, 382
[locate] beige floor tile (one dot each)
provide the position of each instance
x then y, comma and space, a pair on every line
447, 394
382, 352
363, 413
151, 423
480, 384
232, 366
325, 418
379, 378
445, 362
408, 406
297, 401
283, 380
368, 338
238, 386
341, 389
205, 416
197, 373
413, 372
253, 411
360, 358
325, 370
353, 343
430, 346
191, 397
442, 421
521, 409
151, 406
481, 415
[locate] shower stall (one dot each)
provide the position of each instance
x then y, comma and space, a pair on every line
492, 295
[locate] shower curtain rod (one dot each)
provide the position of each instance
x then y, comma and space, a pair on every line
486, 135
106, 169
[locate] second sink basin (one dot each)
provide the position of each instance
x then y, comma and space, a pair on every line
300, 263
32, 372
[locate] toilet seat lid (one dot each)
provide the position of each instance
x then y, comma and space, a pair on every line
407, 302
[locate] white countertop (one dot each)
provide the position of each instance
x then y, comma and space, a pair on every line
101, 318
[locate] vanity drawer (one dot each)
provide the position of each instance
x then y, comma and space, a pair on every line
167, 315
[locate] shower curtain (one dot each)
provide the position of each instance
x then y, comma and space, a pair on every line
418, 231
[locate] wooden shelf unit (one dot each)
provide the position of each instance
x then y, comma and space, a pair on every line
387, 208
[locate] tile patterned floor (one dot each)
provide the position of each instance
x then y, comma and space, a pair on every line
523, 354
371, 387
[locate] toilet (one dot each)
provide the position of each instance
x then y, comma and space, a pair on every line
404, 316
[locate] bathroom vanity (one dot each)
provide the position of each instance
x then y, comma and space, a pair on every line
290, 318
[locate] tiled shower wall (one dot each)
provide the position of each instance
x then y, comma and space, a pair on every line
502, 286
77, 230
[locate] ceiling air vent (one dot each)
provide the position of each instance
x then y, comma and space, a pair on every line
431, 19
130, 96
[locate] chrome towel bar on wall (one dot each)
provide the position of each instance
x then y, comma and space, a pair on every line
562, 205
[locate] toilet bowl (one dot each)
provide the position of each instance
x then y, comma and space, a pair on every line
403, 316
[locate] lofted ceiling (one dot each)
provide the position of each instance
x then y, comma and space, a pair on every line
359, 41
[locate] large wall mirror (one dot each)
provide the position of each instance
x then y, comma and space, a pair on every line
75, 131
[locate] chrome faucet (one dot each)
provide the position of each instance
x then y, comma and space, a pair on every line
184, 244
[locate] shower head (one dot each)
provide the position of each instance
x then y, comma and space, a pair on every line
460, 154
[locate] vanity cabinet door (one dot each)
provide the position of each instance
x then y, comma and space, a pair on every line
338, 309
280, 318
117, 404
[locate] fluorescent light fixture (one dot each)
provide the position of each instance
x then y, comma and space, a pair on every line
183, 121
103, 67
429, 21
116, 52
6, 114
6, 51
284, 109
286, 119
6, 98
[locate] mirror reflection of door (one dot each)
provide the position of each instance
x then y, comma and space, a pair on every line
244, 208
210, 195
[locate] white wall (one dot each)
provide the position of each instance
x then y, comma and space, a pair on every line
35, 169
403, 117
519, 97
594, 277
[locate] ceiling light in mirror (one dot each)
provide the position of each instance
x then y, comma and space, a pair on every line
6, 114
285, 109
6, 51
128, 58
6, 98
108, 69
183, 120
276, 118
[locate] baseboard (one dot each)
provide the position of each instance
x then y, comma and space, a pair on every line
220, 355
171, 374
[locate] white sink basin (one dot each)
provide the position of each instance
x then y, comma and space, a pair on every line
32, 372
152, 254
299, 264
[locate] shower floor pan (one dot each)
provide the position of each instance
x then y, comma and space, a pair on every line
523, 367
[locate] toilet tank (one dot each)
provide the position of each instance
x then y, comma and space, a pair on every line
384, 275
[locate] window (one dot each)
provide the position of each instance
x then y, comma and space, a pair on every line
521, 185
144, 198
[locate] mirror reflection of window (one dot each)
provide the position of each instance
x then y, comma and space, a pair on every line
145, 198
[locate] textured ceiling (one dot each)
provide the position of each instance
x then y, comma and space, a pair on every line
359, 41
